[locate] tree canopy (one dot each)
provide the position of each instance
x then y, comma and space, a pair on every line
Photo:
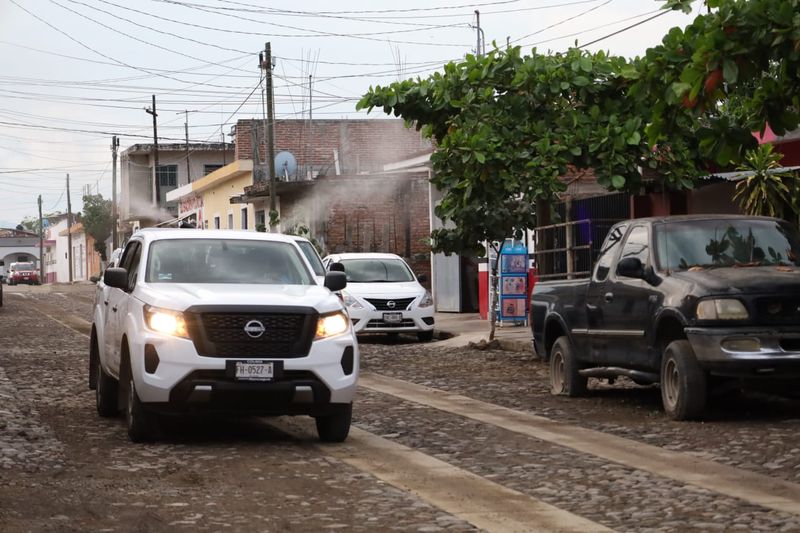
97, 221
507, 126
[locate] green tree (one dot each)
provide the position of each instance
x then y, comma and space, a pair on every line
729, 73
766, 192
506, 127
97, 221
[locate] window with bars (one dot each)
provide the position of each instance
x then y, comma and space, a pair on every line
167, 175
208, 169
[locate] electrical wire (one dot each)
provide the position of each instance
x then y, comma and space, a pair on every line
624, 29
563, 21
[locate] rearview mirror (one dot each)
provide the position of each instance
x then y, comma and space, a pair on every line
422, 278
335, 281
116, 277
630, 267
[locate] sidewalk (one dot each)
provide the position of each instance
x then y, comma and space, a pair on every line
468, 327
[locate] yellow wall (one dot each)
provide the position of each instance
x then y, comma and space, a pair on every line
216, 202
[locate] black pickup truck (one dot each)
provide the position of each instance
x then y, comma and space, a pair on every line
689, 302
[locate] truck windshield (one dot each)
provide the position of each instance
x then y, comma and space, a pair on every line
700, 244
376, 270
23, 266
226, 261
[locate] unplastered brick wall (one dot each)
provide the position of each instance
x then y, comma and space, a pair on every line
362, 145
386, 214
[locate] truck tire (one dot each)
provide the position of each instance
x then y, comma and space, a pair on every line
564, 377
683, 382
141, 426
335, 427
106, 388
425, 336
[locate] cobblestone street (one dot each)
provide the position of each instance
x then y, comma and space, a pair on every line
62, 468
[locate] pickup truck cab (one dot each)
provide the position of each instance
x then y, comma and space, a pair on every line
232, 322
686, 301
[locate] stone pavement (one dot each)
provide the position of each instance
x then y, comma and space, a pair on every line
469, 327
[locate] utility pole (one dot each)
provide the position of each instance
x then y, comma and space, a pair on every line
156, 184
479, 33
114, 146
41, 238
223, 146
186, 129
69, 231
266, 64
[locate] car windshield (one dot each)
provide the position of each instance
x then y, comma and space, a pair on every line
226, 261
313, 257
701, 244
376, 270
23, 266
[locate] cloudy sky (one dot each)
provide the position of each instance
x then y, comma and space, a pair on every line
74, 72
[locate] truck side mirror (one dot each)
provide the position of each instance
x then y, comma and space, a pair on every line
116, 277
335, 281
422, 278
630, 267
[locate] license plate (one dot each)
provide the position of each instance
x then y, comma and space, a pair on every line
254, 371
393, 318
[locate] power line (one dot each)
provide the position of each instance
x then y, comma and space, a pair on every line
314, 33
624, 29
563, 21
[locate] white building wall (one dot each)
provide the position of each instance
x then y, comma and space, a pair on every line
78, 257
58, 261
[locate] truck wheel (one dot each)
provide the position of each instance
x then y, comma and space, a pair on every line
425, 336
564, 377
139, 421
106, 391
683, 382
335, 427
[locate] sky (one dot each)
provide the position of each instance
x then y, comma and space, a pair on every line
75, 72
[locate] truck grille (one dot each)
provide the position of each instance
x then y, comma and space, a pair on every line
382, 304
271, 334
778, 310
380, 324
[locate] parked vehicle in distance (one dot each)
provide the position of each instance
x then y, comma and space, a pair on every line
23, 273
221, 321
689, 302
383, 295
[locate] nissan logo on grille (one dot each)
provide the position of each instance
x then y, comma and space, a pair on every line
254, 329
390, 304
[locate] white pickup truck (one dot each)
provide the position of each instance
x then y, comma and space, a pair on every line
232, 322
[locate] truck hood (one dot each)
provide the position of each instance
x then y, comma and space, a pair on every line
180, 296
405, 289
730, 280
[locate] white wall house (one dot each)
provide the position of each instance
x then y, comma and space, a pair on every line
56, 262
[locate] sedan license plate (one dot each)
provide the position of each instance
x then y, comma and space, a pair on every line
393, 318
254, 371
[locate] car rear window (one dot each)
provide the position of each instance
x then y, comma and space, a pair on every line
226, 261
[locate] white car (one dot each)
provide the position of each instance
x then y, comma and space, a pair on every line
383, 295
313, 257
221, 321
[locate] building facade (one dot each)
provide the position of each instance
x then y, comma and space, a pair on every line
136, 207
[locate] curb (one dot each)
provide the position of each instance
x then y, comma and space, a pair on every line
515, 345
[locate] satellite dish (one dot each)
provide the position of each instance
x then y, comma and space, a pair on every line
285, 165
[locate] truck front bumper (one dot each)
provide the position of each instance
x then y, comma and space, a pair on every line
748, 351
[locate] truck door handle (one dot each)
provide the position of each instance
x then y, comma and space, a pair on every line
609, 297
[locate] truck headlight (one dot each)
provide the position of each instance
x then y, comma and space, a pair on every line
722, 309
166, 321
332, 324
351, 302
426, 301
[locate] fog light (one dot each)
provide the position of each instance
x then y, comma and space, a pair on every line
741, 345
